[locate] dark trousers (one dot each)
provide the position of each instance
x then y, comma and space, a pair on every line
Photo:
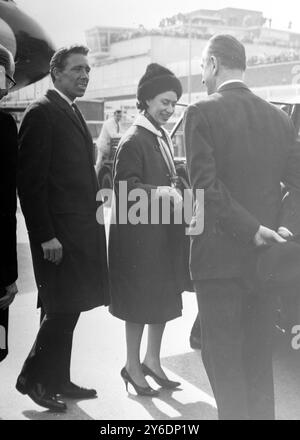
3, 329
237, 324
49, 359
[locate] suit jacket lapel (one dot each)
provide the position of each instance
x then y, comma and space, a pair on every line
79, 124
89, 139
66, 108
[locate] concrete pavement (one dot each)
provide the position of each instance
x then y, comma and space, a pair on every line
98, 356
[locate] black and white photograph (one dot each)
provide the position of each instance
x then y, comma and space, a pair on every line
149, 213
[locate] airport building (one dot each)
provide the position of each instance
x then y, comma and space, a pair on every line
119, 56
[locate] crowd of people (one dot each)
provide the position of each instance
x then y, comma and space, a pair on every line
240, 149
282, 57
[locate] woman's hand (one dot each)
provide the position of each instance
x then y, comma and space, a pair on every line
7, 299
172, 193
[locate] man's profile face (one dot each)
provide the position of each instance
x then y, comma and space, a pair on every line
73, 79
208, 71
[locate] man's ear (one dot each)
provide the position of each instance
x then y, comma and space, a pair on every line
215, 64
55, 72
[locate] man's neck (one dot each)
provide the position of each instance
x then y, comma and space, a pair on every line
232, 76
64, 96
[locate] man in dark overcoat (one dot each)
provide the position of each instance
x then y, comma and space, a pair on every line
239, 150
57, 188
8, 202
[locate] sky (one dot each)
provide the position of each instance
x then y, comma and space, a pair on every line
66, 20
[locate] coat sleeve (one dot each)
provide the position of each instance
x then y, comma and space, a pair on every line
290, 212
35, 145
218, 202
8, 203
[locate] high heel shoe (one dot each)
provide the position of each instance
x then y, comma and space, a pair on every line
164, 383
142, 391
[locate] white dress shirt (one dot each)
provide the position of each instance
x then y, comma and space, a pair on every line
64, 97
229, 82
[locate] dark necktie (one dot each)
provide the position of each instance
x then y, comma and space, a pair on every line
79, 116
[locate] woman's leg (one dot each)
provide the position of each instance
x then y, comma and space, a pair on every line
152, 358
134, 333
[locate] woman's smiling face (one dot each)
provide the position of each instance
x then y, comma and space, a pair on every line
162, 106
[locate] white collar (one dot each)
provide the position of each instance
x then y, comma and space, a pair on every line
229, 82
64, 96
144, 122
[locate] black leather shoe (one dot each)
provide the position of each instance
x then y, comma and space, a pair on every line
75, 392
40, 396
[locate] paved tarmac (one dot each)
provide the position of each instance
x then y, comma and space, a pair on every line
98, 356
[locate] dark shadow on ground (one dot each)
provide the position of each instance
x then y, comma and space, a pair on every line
74, 412
189, 366
286, 362
188, 411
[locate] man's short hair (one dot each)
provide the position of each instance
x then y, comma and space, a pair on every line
59, 59
6, 58
229, 51
117, 112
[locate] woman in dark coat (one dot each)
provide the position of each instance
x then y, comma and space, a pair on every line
147, 270
8, 201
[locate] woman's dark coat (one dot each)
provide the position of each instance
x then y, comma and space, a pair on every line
147, 268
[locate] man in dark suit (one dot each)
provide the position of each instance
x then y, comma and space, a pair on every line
57, 188
239, 150
8, 201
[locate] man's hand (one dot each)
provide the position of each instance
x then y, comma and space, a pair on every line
53, 251
265, 236
7, 299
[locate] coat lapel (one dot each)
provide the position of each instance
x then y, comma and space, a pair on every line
142, 121
66, 108
165, 150
59, 102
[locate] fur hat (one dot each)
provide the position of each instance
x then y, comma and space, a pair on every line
156, 80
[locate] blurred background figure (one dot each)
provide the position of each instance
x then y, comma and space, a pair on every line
8, 201
110, 135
